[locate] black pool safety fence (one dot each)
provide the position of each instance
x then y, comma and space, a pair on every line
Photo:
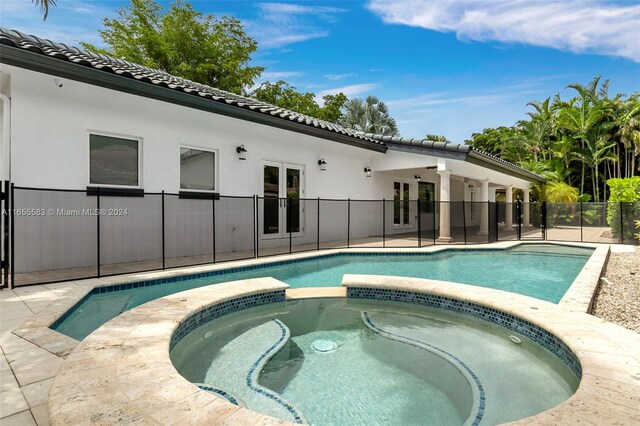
53, 235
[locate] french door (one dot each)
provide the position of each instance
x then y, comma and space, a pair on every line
401, 213
283, 186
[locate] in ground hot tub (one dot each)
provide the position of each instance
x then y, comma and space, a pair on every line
362, 361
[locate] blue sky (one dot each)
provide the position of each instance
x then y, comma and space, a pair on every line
443, 67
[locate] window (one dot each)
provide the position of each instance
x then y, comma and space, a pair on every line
400, 203
197, 169
113, 161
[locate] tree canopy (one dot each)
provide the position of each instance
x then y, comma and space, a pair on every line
436, 138
582, 141
284, 95
369, 115
182, 42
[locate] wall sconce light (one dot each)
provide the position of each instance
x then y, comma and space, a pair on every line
322, 164
242, 152
418, 178
367, 171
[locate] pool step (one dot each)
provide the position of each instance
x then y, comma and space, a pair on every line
237, 366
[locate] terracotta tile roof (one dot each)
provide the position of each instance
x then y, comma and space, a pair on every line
163, 79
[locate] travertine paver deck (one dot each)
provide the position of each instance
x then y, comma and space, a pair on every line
144, 387
22, 392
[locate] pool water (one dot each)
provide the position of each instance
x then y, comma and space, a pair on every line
542, 271
378, 377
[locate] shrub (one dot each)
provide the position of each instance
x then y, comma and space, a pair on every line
625, 193
560, 192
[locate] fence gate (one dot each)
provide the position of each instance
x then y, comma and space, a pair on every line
531, 220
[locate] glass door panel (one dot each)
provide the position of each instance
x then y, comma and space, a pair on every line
271, 212
405, 204
283, 186
293, 200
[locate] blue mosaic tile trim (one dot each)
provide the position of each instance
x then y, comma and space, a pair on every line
219, 392
511, 322
169, 280
218, 310
416, 343
283, 335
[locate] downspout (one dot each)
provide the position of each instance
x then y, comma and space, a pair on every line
5, 145
5, 174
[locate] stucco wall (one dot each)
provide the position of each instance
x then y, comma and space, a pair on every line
50, 149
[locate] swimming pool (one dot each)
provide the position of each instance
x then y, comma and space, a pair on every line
362, 361
543, 271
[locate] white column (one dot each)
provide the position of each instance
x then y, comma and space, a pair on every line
484, 207
525, 208
445, 211
508, 213
492, 194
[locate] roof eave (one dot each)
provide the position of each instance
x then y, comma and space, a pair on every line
425, 150
41, 63
484, 160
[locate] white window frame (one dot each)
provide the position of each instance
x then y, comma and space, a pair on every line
140, 141
216, 172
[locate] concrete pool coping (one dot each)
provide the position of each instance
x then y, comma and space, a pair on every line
123, 373
36, 330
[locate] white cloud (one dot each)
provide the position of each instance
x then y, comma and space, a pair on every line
296, 9
580, 26
351, 90
279, 75
495, 97
280, 24
334, 77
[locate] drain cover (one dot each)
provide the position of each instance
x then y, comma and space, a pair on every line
322, 345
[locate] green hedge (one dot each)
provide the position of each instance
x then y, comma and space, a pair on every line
625, 193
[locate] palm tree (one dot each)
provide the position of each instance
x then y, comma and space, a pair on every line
586, 118
44, 5
369, 116
628, 121
560, 192
436, 138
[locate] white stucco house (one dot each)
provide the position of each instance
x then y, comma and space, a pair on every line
80, 121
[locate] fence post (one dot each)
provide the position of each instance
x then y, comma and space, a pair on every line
488, 221
621, 223
518, 218
464, 222
288, 201
434, 222
348, 222
419, 224
163, 237
580, 221
318, 227
496, 208
98, 228
5, 233
255, 227
12, 252
256, 224
544, 220
384, 222
213, 223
